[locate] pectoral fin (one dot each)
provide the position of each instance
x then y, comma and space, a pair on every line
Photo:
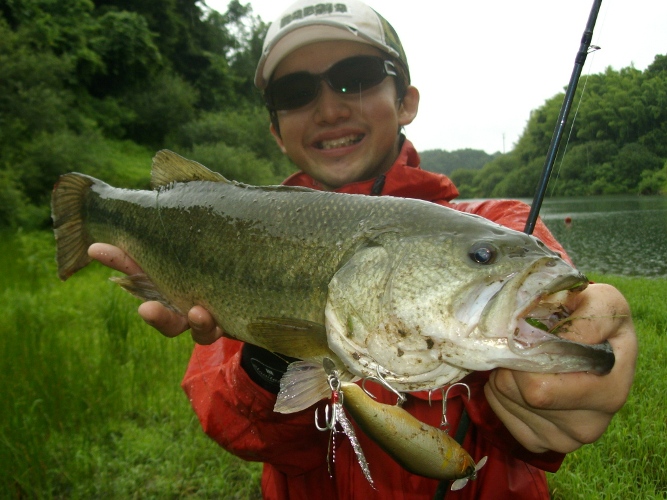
303, 384
293, 337
141, 286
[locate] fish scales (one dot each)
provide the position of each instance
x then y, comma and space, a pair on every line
404, 291
243, 252
419, 293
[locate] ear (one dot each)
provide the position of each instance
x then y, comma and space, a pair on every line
407, 109
278, 139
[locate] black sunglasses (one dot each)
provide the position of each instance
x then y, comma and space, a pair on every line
349, 76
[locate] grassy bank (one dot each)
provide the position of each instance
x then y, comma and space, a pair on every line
91, 403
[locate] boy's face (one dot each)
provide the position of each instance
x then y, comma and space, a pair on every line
342, 138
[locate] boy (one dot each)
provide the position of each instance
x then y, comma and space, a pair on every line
337, 86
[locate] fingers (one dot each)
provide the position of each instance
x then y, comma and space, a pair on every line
540, 431
562, 411
601, 313
114, 258
203, 327
155, 314
598, 314
166, 321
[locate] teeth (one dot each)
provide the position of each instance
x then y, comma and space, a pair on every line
340, 143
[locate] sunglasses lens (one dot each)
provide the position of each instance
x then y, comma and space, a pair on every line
356, 74
293, 91
349, 76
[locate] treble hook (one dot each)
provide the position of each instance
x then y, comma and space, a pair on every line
443, 421
330, 410
383, 382
329, 420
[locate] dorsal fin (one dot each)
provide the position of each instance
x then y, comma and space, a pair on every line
170, 167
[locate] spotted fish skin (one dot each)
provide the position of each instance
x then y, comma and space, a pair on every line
420, 293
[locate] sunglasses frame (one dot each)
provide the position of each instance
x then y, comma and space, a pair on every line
316, 79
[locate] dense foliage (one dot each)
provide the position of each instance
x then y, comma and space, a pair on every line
445, 162
98, 86
618, 143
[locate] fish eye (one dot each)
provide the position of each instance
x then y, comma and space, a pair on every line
483, 253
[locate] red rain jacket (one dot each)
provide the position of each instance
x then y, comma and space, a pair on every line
239, 415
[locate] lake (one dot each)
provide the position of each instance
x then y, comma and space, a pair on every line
623, 235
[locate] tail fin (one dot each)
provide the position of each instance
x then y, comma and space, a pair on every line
72, 239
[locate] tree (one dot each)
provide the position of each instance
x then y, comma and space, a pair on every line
160, 108
520, 182
127, 51
580, 167
616, 140
631, 161
653, 182
494, 172
465, 182
445, 162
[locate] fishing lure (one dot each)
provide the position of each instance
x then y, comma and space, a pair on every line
334, 416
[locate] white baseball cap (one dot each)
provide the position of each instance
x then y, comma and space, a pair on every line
308, 21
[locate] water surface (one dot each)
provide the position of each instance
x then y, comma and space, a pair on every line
624, 235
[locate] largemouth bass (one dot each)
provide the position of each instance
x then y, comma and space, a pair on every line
407, 290
420, 292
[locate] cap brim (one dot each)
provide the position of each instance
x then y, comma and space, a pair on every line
300, 37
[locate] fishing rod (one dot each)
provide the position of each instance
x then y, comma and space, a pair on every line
562, 118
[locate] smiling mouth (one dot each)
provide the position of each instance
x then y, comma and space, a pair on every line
340, 142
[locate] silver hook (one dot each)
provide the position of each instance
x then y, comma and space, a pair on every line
383, 382
445, 396
330, 410
329, 420
363, 386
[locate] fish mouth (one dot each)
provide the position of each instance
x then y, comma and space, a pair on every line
540, 315
546, 312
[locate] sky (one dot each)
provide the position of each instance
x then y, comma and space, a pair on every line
482, 66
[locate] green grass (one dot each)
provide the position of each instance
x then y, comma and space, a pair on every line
91, 404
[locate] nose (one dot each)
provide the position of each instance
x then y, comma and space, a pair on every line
330, 106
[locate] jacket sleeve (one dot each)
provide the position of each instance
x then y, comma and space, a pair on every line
238, 414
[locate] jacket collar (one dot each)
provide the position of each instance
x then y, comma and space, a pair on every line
404, 179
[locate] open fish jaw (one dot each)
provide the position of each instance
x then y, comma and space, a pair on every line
541, 308
533, 343
485, 327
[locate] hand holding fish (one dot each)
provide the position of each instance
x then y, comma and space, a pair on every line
472, 296
564, 411
202, 326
